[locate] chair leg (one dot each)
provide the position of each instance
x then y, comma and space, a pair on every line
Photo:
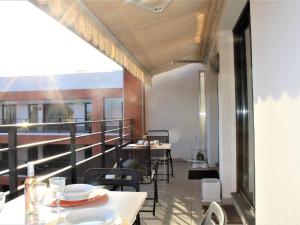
168, 167
137, 220
155, 190
154, 204
171, 162
155, 182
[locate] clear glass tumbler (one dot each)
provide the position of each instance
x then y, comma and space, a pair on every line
37, 195
57, 186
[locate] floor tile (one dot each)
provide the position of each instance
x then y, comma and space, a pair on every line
179, 200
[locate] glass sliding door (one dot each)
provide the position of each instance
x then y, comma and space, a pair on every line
9, 114
58, 113
202, 118
33, 116
244, 107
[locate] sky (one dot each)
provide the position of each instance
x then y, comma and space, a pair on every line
32, 43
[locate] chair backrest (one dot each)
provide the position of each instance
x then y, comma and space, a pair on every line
161, 135
137, 158
214, 210
115, 177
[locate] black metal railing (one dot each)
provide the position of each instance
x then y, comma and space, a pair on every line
99, 142
59, 127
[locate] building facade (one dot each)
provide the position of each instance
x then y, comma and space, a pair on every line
98, 97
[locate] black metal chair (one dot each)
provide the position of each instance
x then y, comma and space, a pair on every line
115, 178
139, 159
163, 137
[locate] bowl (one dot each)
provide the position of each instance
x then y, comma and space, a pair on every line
75, 192
91, 216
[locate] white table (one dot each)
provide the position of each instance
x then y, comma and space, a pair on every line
163, 146
126, 204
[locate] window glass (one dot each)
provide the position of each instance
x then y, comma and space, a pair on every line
56, 113
88, 116
113, 109
244, 109
33, 113
9, 114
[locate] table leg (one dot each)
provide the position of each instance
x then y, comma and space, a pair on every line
171, 162
168, 166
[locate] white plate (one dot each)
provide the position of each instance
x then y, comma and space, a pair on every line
93, 216
78, 191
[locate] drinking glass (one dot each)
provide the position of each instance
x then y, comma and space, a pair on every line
37, 195
57, 186
2, 200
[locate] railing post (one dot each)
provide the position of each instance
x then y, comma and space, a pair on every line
12, 160
102, 140
131, 129
73, 152
121, 132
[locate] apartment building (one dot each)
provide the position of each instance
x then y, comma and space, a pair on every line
59, 98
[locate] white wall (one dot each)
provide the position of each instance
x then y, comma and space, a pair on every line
172, 103
226, 136
227, 128
276, 81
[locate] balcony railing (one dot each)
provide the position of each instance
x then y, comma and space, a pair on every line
103, 147
60, 126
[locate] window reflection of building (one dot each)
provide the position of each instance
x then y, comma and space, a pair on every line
54, 113
88, 107
113, 109
33, 111
9, 114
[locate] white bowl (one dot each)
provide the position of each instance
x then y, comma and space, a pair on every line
78, 191
91, 216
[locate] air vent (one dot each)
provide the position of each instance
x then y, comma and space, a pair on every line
156, 6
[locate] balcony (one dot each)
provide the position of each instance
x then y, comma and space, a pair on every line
250, 68
57, 125
70, 162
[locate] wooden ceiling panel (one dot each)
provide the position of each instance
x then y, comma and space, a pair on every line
155, 39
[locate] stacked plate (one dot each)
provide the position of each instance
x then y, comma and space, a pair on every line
78, 194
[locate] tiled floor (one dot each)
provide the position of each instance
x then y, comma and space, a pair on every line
179, 200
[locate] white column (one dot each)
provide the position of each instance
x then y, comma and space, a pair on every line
227, 127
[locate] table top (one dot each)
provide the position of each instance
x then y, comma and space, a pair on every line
126, 204
163, 146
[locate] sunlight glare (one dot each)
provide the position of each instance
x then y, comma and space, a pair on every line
32, 43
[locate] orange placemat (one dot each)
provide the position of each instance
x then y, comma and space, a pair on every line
99, 199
